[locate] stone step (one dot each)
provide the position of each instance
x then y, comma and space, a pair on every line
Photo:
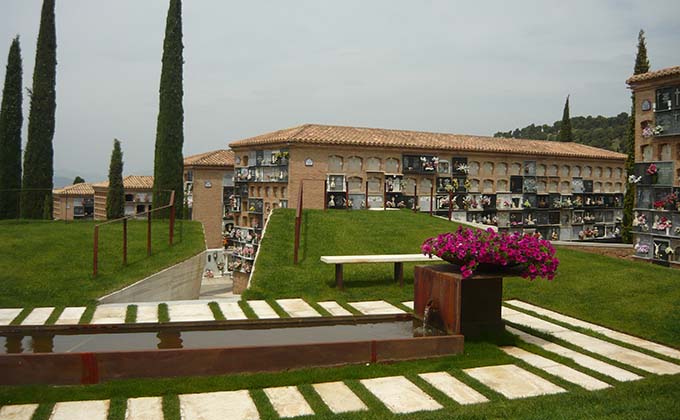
7, 315
71, 315
38, 316
408, 304
188, 312
109, 314
624, 338
90, 410
400, 395
147, 313
235, 405
145, 408
376, 307
231, 311
297, 308
18, 412
339, 398
453, 388
288, 401
334, 308
262, 309
513, 382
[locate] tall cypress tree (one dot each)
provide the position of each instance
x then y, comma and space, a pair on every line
39, 154
565, 129
115, 197
11, 119
641, 66
168, 160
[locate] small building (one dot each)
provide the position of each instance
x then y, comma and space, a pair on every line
656, 218
138, 195
208, 189
73, 202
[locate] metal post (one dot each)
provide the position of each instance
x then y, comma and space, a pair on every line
171, 234
450, 204
385, 195
431, 198
298, 223
325, 190
366, 197
347, 195
148, 233
95, 253
415, 200
125, 241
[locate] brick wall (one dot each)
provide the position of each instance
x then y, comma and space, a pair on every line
207, 204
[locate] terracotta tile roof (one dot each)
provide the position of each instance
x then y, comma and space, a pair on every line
84, 188
131, 182
656, 74
403, 139
214, 158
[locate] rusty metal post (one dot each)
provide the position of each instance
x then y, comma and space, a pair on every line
431, 198
95, 252
125, 241
415, 200
298, 223
366, 197
171, 234
325, 190
450, 204
347, 195
148, 234
385, 195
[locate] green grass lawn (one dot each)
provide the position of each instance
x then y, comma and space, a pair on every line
49, 263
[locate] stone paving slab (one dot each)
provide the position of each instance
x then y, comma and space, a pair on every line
185, 312
557, 369
334, 308
147, 313
578, 358
38, 316
7, 315
375, 307
235, 405
453, 388
408, 304
71, 410
624, 338
18, 412
109, 314
513, 382
71, 315
400, 395
288, 401
231, 310
262, 309
297, 308
146, 408
339, 398
597, 346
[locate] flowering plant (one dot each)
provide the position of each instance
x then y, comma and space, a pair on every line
471, 248
641, 248
657, 130
634, 179
652, 169
461, 167
647, 131
662, 224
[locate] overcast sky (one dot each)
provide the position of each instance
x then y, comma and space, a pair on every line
257, 66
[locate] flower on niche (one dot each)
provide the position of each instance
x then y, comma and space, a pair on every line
652, 169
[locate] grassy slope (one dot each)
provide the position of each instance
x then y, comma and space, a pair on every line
50, 263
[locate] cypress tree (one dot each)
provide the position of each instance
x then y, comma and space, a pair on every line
11, 119
168, 160
39, 154
115, 197
641, 66
565, 129
78, 180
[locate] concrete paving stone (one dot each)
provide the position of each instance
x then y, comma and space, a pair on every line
38, 316
18, 412
7, 315
231, 310
146, 408
513, 382
530, 321
578, 358
147, 313
400, 395
71, 410
408, 304
297, 308
554, 315
334, 308
109, 314
234, 405
453, 388
194, 311
339, 398
71, 315
375, 307
262, 309
556, 369
288, 401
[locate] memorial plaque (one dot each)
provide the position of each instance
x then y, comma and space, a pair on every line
529, 184
577, 185
357, 201
669, 121
665, 173
530, 167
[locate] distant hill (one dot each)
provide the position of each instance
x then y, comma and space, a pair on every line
604, 132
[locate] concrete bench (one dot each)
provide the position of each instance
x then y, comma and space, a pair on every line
397, 259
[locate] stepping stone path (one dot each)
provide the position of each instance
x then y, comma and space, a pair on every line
187, 312
109, 314
90, 410
408, 304
231, 310
339, 398
38, 316
376, 307
288, 401
237, 405
334, 308
513, 382
556, 369
147, 313
297, 308
71, 315
594, 345
18, 412
400, 395
262, 309
147, 408
624, 338
453, 388
578, 358
7, 315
